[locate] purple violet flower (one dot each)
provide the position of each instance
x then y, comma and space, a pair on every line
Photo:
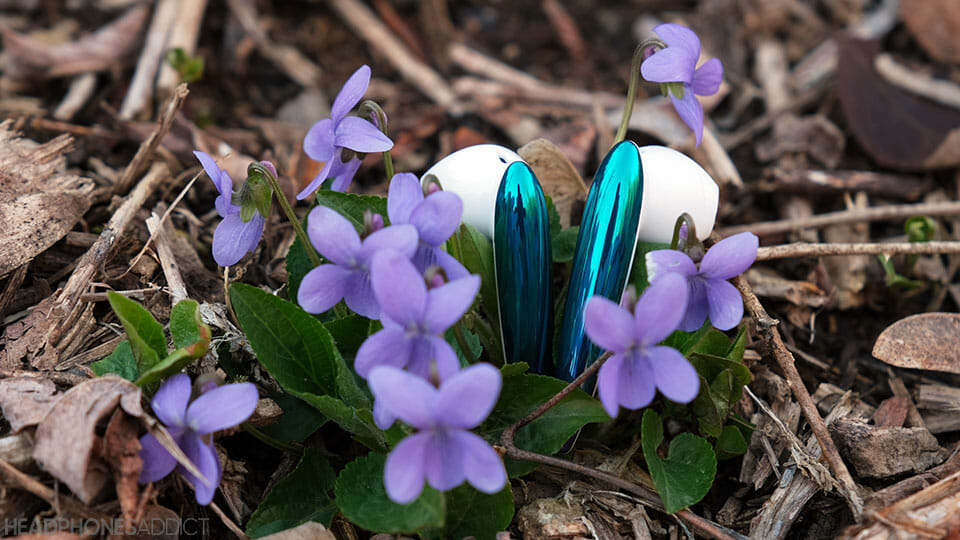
710, 292
443, 452
414, 320
436, 218
677, 63
233, 238
348, 277
214, 410
638, 365
327, 138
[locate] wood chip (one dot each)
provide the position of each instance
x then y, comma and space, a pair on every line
879, 452
925, 341
25, 401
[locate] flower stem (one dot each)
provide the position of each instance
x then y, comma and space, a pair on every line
375, 112
268, 440
634, 81
462, 342
288, 211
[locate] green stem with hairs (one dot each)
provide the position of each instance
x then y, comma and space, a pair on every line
634, 81
375, 112
288, 211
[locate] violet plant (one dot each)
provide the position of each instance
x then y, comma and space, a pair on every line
391, 354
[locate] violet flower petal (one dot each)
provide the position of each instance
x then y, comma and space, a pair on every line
660, 308
351, 93
443, 461
661, 261
707, 78
322, 288
400, 238
725, 304
669, 65
210, 167
387, 347
205, 457
170, 402
157, 462
448, 302
407, 396
608, 325
690, 111
636, 384
437, 217
403, 196
382, 416
453, 268
317, 180
358, 295
481, 463
233, 238
677, 36
223, 407
360, 135
467, 398
730, 257
432, 355
318, 143
399, 287
673, 374
343, 173
333, 236
608, 384
697, 310
404, 472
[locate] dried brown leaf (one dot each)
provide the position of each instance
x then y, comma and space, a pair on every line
926, 341
67, 437
157, 523
935, 24
558, 177
898, 129
310, 530
892, 412
26, 400
98, 51
38, 206
121, 449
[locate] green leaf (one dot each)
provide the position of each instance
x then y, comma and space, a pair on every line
475, 251
638, 275
920, 229
144, 332
553, 217
361, 497
174, 363
687, 473
521, 394
686, 341
711, 366
185, 323
298, 264
352, 206
472, 341
730, 443
348, 334
471, 513
735, 354
301, 496
352, 420
299, 420
564, 244
120, 362
709, 419
293, 346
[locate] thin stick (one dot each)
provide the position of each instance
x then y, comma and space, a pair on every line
877, 213
228, 522
148, 146
803, 249
767, 328
183, 35
366, 25
168, 262
140, 90
65, 502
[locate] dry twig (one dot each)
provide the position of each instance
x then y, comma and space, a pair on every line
148, 146
804, 249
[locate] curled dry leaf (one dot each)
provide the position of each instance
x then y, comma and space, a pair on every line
121, 449
67, 437
898, 129
926, 341
94, 52
310, 530
25, 400
38, 205
559, 178
935, 24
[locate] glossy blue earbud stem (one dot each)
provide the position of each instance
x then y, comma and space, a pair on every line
522, 259
604, 252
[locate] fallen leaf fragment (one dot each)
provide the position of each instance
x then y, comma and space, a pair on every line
898, 129
310, 530
66, 438
926, 341
121, 449
558, 177
98, 51
25, 401
935, 24
159, 523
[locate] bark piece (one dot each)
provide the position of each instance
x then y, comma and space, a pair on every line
892, 412
935, 24
925, 341
878, 452
121, 449
552, 519
67, 437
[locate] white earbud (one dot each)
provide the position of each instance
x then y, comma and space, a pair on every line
673, 184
